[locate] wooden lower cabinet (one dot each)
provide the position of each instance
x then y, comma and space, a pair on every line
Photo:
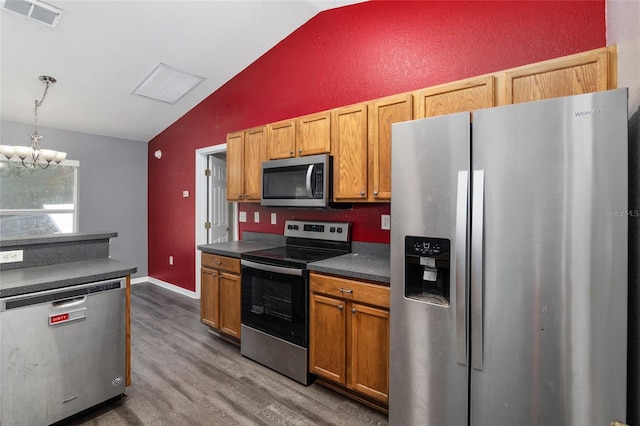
349, 337
220, 302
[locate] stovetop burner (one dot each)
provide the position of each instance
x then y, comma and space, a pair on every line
306, 242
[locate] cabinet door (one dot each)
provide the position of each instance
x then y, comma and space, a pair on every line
313, 134
281, 139
369, 364
235, 160
209, 302
327, 338
571, 75
255, 152
349, 141
460, 96
230, 304
383, 113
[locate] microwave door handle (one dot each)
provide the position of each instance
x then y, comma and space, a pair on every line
308, 180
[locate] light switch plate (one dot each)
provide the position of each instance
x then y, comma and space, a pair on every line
273, 219
256, 217
385, 222
242, 217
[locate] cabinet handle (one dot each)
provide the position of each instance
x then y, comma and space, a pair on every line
290, 152
353, 310
344, 290
299, 151
214, 275
340, 307
240, 197
218, 262
362, 193
375, 193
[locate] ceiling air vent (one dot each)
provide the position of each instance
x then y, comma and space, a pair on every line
34, 9
167, 84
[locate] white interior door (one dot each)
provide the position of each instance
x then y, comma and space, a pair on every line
217, 208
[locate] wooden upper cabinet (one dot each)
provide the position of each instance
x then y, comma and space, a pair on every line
281, 139
235, 167
570, 75
313, 134
383, 113
255, 152
460, 96
349, 141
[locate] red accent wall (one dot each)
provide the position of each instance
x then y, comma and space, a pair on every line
342, 56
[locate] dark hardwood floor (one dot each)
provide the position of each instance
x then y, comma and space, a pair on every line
184, 375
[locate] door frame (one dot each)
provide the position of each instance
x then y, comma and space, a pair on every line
201, 205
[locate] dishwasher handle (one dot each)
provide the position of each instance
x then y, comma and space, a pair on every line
69, 303
61, 295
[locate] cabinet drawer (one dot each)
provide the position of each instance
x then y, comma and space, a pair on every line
357, 291
221, 262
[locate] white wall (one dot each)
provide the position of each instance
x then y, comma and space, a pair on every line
112, 185
623, 30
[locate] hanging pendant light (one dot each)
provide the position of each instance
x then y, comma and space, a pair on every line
32, 156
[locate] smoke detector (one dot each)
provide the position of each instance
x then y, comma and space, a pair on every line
34, 9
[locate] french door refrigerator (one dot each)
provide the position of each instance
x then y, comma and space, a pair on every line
509, 265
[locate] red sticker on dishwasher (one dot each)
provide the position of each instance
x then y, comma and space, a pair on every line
58, 318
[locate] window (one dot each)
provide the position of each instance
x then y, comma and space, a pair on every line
37, 201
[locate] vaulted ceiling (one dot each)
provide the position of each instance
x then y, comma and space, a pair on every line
100, 51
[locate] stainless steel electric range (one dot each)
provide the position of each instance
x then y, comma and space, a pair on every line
275, 295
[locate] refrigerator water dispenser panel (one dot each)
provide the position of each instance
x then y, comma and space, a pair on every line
427, 269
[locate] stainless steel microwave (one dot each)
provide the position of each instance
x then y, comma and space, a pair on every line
297, 182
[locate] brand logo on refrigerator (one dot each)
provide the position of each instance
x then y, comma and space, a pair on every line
590, 113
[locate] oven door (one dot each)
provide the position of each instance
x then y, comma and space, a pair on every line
275, 300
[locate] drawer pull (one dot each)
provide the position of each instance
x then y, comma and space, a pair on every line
218, 262
344, 290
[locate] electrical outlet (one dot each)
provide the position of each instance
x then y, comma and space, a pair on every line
273, 219
242, 217
11, 256
170, 260
185, 194
256, 217
386, 222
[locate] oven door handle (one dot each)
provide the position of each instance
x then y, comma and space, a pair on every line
271, 268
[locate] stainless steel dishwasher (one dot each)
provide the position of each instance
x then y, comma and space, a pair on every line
61, 351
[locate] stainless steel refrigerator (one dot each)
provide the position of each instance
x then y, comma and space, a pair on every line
509, 265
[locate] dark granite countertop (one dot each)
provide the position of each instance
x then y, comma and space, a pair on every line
15, 282
370, 267
29, 240
368, 261
236, 248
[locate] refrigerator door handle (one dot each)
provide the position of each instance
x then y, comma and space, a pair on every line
461, 266
476, 284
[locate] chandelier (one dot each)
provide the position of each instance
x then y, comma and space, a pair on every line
32, 157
